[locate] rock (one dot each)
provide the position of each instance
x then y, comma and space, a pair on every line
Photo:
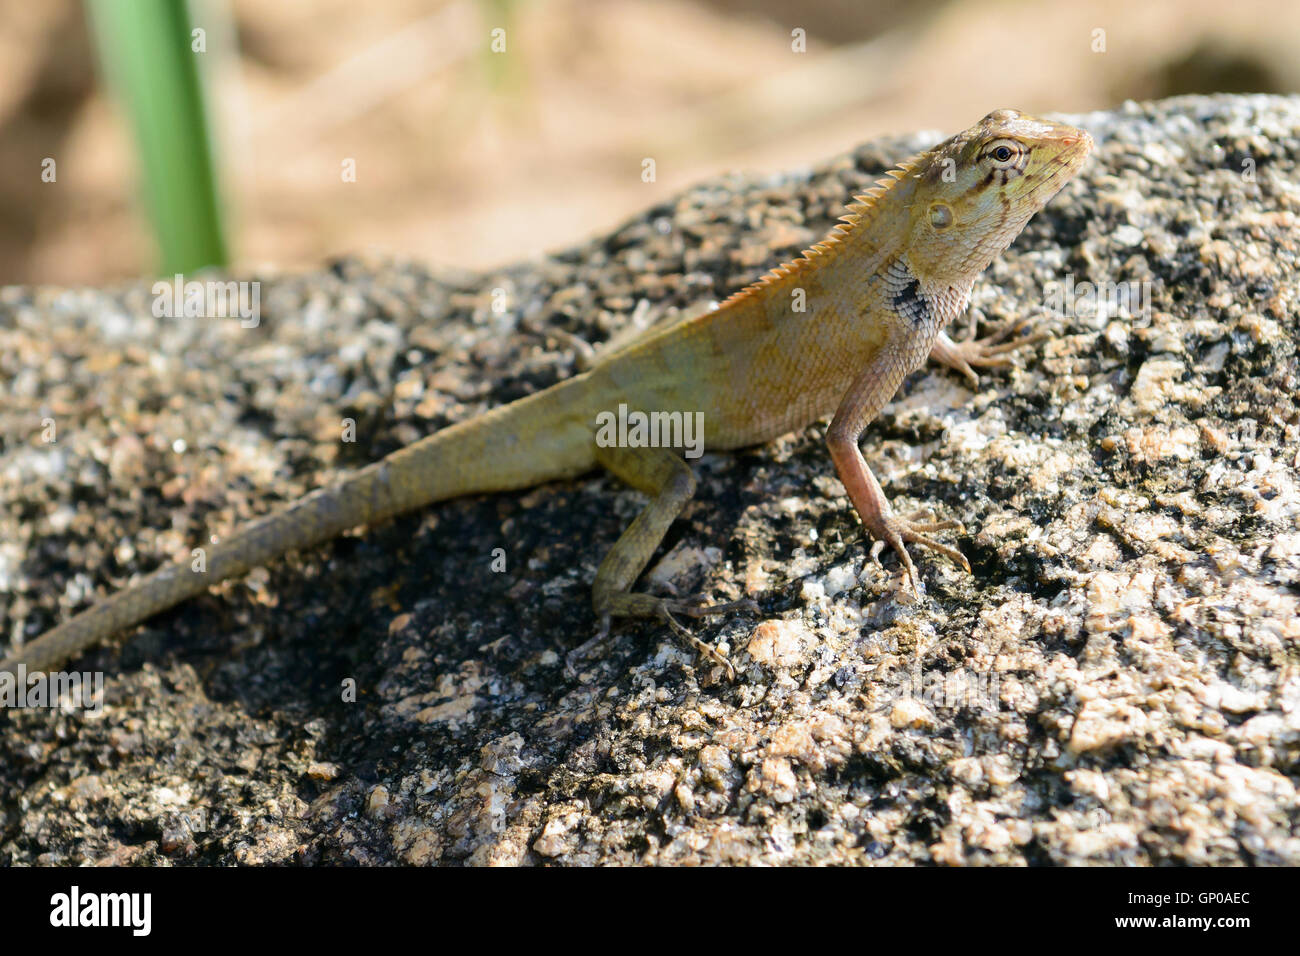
1116, 684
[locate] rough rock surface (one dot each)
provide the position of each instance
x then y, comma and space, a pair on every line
1118, 681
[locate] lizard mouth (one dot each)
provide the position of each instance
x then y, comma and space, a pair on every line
1074, 149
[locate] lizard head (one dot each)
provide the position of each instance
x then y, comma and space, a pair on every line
975, 191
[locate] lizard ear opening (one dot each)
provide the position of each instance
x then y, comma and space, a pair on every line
940, 215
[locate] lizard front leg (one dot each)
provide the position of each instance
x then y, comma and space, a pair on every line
668, 481
868, 394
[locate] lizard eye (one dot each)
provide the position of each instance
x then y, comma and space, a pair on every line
1005, 153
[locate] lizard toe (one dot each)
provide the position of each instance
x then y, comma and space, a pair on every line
897, 533
666, 609
699, 606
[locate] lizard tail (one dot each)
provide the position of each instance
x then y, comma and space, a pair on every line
540, 438
313, 518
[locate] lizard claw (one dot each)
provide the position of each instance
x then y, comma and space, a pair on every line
897, 533
981, 353
987, 352
698, 606
693, 608
665, 609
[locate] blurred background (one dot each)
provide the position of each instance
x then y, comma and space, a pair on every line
142, 137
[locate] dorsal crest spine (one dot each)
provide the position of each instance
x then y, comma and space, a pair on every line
859, 214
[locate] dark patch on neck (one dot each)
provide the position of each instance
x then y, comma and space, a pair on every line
905, 296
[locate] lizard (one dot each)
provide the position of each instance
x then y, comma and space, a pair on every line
835, 330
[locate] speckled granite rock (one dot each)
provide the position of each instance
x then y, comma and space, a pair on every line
1118, 682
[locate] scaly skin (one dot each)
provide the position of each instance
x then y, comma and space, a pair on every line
837, 330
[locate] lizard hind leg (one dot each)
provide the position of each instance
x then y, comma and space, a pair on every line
667, 479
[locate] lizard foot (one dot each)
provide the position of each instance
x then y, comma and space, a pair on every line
897, 533
991, 351
699, 606
684, 635
665, 609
